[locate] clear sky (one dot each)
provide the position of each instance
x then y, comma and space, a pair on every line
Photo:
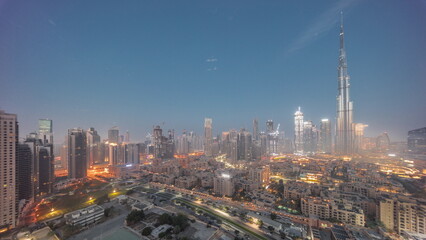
138, 63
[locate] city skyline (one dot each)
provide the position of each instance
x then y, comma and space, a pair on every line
108, 92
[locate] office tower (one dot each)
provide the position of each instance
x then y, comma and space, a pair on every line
263, 144
272, 137
244, 145
344, 131
46, 168
416, 140
255, 130
131, 153
309, 137
45, 131
93, 144
113, 154
183, 144
208, 136
113, 135
359, 136
24, 163
8, 149
77, 144
298, 131
47, 158
325, 136
163, 146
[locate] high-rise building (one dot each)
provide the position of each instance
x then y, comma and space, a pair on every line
269, 126
416, 140
208, 136
24, 163
325, 136
310, 137
344, 130
244, 145
255, 130
77, 144
298, 131
93, 144
45, 131
359, 136
113, 135
46, 158
8, 190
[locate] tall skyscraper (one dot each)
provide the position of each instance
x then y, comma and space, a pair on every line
24, 163
93, 144
298, 131
255, 129
208, 136
359, 136
47, 158
77, 144
113, 135
325, 136
244, 145
344, 130
45, 131
8, 148
310, 137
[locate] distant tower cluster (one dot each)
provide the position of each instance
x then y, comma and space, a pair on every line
344, 128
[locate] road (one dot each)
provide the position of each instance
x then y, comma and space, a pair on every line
104, 228
245, 205
229, 219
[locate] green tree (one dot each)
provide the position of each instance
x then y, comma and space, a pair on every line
273, 216
135, 216
271, 229
146, 231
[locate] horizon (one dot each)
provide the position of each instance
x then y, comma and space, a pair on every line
232, 62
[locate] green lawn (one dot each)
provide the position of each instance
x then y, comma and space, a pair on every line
69, 203
245, 229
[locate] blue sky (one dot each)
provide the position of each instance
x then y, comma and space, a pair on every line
141, 63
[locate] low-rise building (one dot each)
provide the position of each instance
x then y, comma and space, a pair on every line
85, 216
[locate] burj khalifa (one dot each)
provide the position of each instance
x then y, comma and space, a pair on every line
344, 128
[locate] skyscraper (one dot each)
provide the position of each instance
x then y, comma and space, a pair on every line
255, 129
46, 158
77, 166
344, 130
359, 136
325, 136
244, 145
8, 149
45, 130
113, 135
93, 144
24, 162
298, 131
208, 136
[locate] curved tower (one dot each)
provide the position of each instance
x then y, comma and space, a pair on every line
344, 130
